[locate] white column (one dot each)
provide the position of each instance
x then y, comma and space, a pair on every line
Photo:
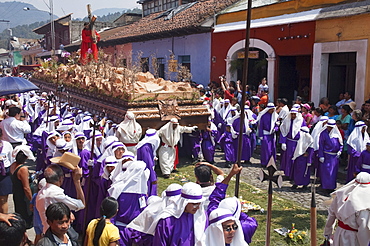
271, 76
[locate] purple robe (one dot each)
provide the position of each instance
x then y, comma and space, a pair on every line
195, 144
364, 158
353, 158
227, 143
286, 163
249, 224
268, 142
208, 148
301, 173
128, 209
172, 231
131, 236
246, 143
329, 147
145, 154
217, 120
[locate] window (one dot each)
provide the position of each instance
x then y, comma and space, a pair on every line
185, 61
160, 62
144, 64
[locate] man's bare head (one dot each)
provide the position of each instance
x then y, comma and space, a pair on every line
54, 175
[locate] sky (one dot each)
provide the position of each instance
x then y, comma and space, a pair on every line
78, 7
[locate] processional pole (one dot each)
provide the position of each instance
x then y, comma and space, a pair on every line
313, 211
244, 90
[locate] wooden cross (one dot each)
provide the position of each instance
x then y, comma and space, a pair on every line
271, 168
92, 19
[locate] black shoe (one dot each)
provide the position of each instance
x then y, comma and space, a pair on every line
166, 176
294, 187
174, 171
304, 187
247, 162
228, 165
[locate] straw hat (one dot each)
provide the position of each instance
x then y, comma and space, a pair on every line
68, 160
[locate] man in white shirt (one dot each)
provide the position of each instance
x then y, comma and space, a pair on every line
52, 193
15, 127
347, 99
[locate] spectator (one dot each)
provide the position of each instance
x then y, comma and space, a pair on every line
366, 115
262, 87
22, 194
5, 181
307, 116
52, 193
346, 100
324, 104
332, 112
317, 113
264, 98
284, 110
15, 127
59, 232
298, 100
228, 90
12, 230
101, 231
356, 116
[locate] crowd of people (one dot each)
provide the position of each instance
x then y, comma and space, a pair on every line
105, 172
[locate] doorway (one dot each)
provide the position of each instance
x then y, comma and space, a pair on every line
294, 77
341, 75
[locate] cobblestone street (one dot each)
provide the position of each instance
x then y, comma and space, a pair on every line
250, 175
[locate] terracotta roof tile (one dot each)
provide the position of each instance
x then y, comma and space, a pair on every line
192, 17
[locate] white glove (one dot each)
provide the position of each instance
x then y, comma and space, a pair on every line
309, 164
195, 128
283, 146
261, 138
90, 163
219, 125
322, 159
338, 154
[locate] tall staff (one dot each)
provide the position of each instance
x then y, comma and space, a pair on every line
313, 219
90, 165
244, 85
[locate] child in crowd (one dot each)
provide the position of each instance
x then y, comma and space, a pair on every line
101, 231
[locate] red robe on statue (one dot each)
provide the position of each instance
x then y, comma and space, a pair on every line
89, 49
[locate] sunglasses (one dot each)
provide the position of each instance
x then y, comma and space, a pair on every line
233, 227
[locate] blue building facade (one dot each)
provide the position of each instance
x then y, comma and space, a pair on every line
192, 51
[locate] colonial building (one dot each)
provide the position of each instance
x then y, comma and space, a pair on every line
309, 48
170, 34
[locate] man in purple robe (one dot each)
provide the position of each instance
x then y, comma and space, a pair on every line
184, 223
266, 130
363, 162
146, 151
217, 199
356, 143
208, 142
331, 146
226, 142
246, 142
302, 158
289, 136
130, 193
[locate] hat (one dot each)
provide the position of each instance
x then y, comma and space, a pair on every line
192, 192
324, 118
352, 105
130, 116
256, 98
61, 144
174, 121
150, 132
294, 110
10, 102
331, 122
68, 160
305, 129
270, 105
306, 106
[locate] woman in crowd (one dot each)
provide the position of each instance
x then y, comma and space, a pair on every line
101, 232
22, 194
